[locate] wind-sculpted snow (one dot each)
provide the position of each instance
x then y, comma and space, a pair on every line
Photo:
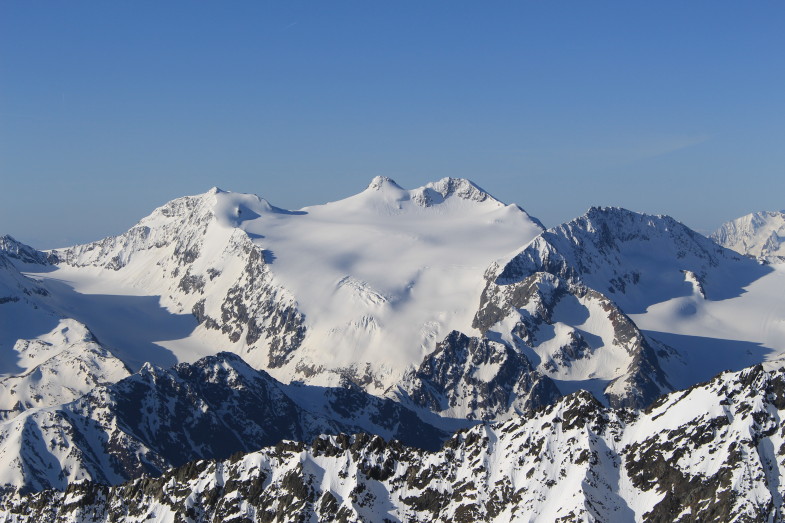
157, 418
759, 235
711, 453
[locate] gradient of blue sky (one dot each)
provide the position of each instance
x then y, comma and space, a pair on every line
109, 109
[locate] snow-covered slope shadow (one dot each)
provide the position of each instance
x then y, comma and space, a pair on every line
23, 312
20, 321
123, 321
702, 358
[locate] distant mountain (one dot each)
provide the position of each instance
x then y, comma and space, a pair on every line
760, 235
711, 453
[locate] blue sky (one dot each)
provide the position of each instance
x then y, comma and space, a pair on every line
109, 109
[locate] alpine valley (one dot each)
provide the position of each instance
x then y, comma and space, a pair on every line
400, 355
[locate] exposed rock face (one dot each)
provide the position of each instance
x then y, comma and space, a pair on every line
759, 235
156, 419
713, 453
14, 286
476, 378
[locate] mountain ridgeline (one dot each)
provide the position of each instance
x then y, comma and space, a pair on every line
140, 375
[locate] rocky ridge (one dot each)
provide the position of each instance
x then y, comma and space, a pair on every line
711, 453
565, 299
159, 418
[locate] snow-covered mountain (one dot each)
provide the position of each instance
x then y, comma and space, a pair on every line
380, 278
616, 302
159, 418
45, 358
712, 453
760, 235
221, 324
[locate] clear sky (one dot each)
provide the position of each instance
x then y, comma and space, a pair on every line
109, 109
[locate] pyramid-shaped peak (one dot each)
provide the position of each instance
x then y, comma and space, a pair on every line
15, 249
381, 182
435, 192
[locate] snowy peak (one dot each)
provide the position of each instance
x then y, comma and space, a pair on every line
759, 235
433, 194
637, 259
380, 183
437, 192
15, 250
573, 297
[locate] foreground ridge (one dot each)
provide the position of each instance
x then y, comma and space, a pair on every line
711, 453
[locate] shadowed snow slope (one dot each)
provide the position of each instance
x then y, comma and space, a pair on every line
45, 358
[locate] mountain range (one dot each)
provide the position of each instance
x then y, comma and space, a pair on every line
363, 333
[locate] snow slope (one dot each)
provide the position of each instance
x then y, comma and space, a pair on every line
45, 358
